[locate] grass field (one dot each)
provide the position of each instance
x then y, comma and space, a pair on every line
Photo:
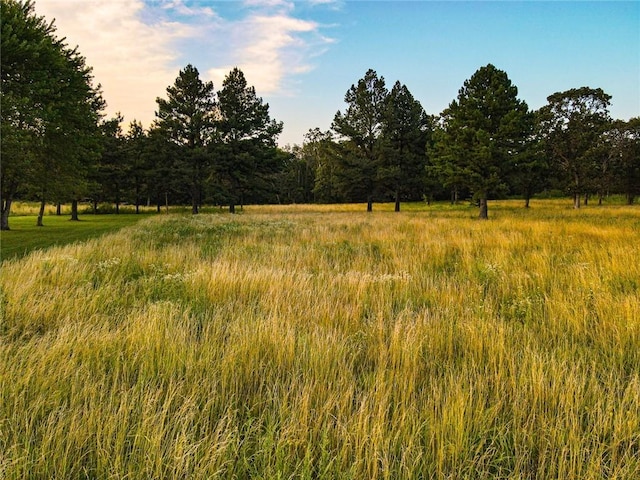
324, 342
24, 236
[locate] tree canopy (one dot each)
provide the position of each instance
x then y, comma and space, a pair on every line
50, 110
246, 150
572, 123
485, 130
361, 125
221, 147
186, 118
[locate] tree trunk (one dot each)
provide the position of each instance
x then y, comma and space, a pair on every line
232, 207
526, 201
117, 207
397, 207
4, 215
484, 209
194, 205
576, 200
74, 210
41, 213
369, 204
166, 201
586, 199
58, 209
630, 198
95, 207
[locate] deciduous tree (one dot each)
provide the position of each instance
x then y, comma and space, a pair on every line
624, 155
573, 122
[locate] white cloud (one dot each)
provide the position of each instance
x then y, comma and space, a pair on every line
181, 8
132, 60
137, 47
271, 48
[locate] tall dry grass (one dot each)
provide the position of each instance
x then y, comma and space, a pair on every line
317, 342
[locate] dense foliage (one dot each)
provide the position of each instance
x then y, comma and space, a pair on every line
209, 147
50, 112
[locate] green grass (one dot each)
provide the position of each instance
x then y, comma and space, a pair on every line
322, 342
24, 236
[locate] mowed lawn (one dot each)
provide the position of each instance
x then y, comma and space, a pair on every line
25, 236
322, 342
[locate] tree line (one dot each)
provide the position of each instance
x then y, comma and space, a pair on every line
208, 147
486, 144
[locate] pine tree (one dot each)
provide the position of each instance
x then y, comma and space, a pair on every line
186, 119
50, 111
485, 130
361, 128
246, 152
405, 132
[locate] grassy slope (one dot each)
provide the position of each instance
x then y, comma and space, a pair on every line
24, 236
304, 343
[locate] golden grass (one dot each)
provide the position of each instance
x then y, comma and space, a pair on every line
324, 342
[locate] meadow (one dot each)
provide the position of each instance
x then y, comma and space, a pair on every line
324, 342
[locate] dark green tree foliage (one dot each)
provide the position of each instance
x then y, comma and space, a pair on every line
573, 123
624, 155
186, 119
294, 183
113, 170
405, 131
134, 148
246, 154
442, 168
485, 131
531, 172
361, 128
160, 155
50, 110
322, 153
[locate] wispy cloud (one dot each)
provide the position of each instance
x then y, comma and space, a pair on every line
183, 9
133, 60
136, 47
271, 48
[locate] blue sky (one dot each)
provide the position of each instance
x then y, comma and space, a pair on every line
303, 56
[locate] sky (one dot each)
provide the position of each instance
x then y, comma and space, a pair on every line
303, 56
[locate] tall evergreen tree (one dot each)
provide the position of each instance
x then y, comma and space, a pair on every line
186, 119
485, 130
112, 173
160, 156
361, 128
404, 136
573, 123
50, 110
246, 153
135, 144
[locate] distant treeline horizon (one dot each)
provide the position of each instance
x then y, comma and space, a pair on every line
220, 148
